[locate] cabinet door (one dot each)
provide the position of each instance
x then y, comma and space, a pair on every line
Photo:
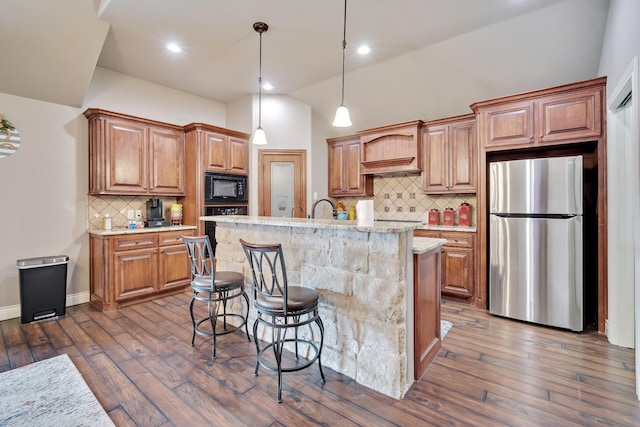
462, 158
215, 152
166, 161
336, 169
457, 271
508, 124
353, 180
435, 173
238, 159
570, 116
135, 273
426, 290
175, 270
125, 157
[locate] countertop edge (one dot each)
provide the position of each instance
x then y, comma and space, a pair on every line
425, 244
376, 227
120, 231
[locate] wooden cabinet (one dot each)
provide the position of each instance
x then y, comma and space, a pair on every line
225, 153
458, 262
542, 118
426, 296
449, 149
391, 149
130, 268
210, 148
134, 156
345, 178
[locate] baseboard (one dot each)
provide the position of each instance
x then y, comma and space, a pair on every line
12, 311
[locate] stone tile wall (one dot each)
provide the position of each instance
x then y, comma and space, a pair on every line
362, 280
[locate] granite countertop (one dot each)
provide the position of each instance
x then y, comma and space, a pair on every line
425, 244
461, 228
121, 230
377, 227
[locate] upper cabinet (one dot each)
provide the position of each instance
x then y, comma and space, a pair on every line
449, 149
389, 149
345, 178
570, 113
134, 156
223, 150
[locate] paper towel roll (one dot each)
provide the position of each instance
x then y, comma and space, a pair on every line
364, 213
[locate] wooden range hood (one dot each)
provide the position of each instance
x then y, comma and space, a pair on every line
391, 149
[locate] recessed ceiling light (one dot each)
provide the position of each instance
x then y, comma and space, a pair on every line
173, 47
267, 86
364, 50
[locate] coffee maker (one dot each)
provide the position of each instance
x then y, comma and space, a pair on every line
155, 214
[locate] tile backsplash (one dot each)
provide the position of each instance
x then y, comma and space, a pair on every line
116, 207
401, 198
395, 197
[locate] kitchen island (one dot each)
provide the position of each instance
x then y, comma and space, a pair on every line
365, 278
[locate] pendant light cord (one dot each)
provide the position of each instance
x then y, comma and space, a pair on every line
260, 86
344, 48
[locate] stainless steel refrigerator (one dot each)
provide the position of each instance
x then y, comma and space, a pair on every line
535, 241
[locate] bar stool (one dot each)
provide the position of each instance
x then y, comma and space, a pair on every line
216, 288
281, 308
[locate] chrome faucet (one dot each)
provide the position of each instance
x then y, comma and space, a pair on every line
293, 209
334, 212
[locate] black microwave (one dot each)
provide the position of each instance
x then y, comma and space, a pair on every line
224, 188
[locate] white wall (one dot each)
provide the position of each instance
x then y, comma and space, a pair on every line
44, 184
43, 194
621, 45
287, 125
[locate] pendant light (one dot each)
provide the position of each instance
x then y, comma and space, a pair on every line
259, 137
342, 118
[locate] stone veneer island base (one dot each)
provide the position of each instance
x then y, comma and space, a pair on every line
364, 276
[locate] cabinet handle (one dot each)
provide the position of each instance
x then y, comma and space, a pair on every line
541, 136
137, 242
531, 138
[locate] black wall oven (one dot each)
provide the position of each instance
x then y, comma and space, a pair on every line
227, 189
210, 226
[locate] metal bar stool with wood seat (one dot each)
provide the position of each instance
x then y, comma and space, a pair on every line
281, 308
216, 288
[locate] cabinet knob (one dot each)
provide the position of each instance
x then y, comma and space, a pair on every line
137, 242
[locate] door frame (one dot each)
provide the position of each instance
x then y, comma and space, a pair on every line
629, 83
299, 158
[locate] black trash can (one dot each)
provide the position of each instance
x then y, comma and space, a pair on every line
43, 287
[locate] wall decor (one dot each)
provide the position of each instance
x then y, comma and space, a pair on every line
9, 138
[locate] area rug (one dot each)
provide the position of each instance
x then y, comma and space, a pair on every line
49, 393
444, 328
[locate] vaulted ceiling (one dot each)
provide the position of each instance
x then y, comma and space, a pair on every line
50, 48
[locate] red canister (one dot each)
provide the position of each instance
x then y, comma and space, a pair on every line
447, 216
464, 214
434, 217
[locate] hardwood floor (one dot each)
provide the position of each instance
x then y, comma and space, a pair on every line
490, 372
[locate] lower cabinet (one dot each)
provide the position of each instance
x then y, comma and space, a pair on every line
458, 262
130, 268
426, 297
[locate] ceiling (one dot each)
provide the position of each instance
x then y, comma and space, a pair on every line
51, 48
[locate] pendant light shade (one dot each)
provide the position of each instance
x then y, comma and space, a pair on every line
259, 137
342, 118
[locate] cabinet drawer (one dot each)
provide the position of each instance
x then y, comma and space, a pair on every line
174, 237
462, 240
426, 233
138, 241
